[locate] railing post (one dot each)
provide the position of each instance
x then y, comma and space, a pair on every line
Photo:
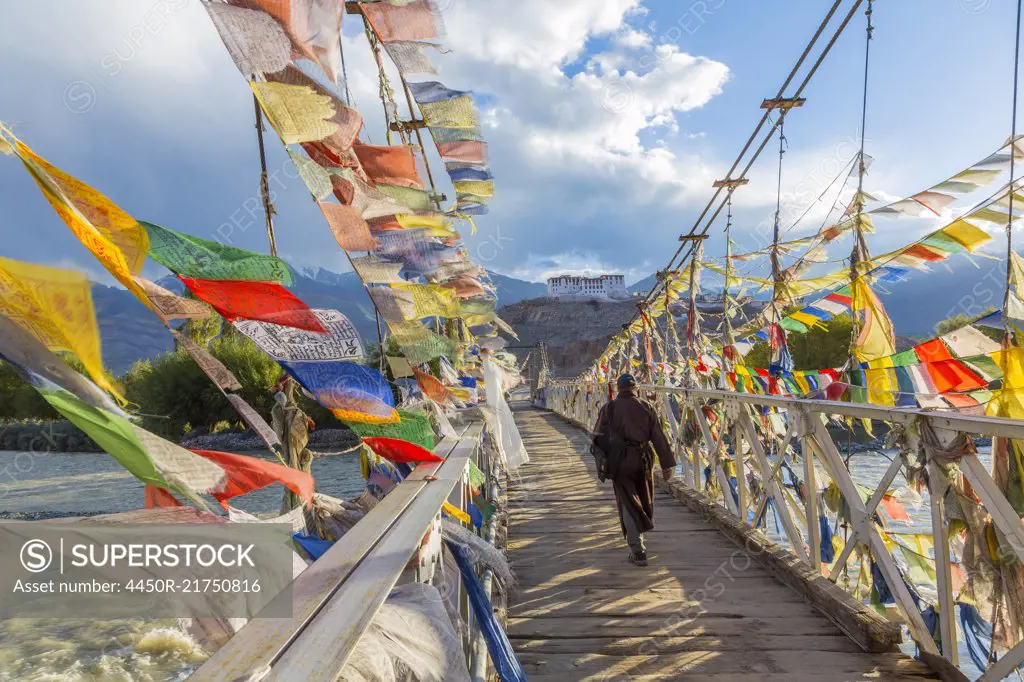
741, 472
937, 487
810, 488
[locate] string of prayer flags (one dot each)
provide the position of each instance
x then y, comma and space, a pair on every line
244, 474
1008, 401
400, 451
411, 21
394, 305
149, 458
876, 338
411, 57
55, 306
373, 270
412, 427
297, 113
347, 120
42, 368
254, 40
432, 387
184, 254
349, 228
389, 164
261, 301
111, 235
340, 342
211, 366
170, 306
255, 422
430, 300
314, 27
353, 393
316, 179
419, 344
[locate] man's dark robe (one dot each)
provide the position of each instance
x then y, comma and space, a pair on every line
639, 426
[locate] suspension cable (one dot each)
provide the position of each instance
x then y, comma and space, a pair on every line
860, 249
1007, 334
813, 70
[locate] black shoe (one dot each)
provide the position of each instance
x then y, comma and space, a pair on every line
638, 558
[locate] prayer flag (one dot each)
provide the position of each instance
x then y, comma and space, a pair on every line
262, 301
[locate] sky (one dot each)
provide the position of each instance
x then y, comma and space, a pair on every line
607, 121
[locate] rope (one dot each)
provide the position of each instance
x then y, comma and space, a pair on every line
1008, 335
859, 247
776, 270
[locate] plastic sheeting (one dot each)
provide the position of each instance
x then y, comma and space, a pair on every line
510, 444
411, 639
498, 646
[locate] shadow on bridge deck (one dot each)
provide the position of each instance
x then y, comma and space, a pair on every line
702, 611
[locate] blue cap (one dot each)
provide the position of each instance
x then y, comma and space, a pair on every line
625, 381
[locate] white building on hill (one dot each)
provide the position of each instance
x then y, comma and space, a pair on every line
579, 287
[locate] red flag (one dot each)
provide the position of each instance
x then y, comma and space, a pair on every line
263, 301
245, 474
395, 450
160, 498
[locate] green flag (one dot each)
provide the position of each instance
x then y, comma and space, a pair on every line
191, 256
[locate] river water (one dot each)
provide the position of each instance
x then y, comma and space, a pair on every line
127, 650
82, 650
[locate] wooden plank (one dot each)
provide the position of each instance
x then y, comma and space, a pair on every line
260, 642
863, 625
707, 607
680, 666
627, 646
554, 626
320, 651
813, 676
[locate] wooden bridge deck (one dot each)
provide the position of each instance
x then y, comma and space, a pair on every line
702, 611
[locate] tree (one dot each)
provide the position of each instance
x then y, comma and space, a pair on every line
960, 320
819, 348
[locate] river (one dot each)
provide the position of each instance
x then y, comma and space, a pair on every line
82, 650
126, 650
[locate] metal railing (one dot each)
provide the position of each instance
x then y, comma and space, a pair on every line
335, 599
701, 423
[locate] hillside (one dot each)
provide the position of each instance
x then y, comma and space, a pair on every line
575, 333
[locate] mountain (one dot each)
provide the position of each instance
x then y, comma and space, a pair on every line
645, 285
512, 290
916, 305
130, 332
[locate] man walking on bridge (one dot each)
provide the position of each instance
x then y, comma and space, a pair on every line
638, 426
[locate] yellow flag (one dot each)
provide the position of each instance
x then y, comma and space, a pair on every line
1009, 400
55, 306
114, 237
297, 112
431, 300
876, 338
